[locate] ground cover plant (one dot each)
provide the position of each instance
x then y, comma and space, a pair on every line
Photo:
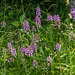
37, 37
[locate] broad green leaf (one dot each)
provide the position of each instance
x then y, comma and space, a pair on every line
15, 23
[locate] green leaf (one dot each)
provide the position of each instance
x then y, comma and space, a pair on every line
15, 23
22, 18
63, 55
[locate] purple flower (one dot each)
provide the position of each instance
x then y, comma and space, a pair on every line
22, 50
35, 46
71, 27
11, 60
49, 17
38, 13
36, 38
26, 51
72, 35
26, 26
48, 64
29, 50
9, 46
32, 46
33, 28
72, 12
3, 24
57, 20
13, 51
4, 50
38, 16
38, 22
49, 60
35, 63
21, 29
55, 17
57, 46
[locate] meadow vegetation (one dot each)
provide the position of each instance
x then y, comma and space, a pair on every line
37, 37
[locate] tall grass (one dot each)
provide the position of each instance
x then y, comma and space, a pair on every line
49, 35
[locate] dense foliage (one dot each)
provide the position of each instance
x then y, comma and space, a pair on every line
37, 37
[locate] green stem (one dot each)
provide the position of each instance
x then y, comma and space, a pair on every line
70, 57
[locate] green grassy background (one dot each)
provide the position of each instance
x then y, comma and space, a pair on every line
13, 13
